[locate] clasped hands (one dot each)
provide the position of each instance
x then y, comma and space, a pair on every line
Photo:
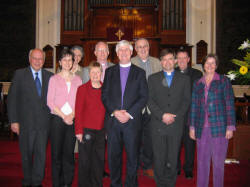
121, 115
168, 118
68, 119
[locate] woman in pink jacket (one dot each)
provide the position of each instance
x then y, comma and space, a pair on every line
61, 101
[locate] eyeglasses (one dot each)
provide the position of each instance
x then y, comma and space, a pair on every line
142, 47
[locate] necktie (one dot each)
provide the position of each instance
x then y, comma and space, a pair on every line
38, 84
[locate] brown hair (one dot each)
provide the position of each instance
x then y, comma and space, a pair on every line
165, 52
210, 55
95, 64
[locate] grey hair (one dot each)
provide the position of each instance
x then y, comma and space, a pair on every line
139, 39
101, 42
123, 43
79, 48
38, 49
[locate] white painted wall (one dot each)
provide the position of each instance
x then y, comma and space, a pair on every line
48, 13
201, 22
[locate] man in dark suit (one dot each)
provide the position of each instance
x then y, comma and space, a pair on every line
169, 99
124, 94
29, 116
150, 65
189, 145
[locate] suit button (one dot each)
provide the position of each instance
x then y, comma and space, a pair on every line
168, 105
168, 95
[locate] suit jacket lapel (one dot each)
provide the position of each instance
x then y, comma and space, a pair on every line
175, 79
117, 81
44, 80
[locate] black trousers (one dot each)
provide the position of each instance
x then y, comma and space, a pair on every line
189, 148
146, 150
91, 158
62, 152
121, 135
165, 151
33, 145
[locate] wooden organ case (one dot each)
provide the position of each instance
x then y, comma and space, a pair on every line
85, 22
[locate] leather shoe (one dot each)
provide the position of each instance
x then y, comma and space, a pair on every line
105, 174
189, 175
148, 173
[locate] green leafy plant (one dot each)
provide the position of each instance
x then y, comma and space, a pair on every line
242, 75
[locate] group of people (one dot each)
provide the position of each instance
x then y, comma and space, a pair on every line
145, 105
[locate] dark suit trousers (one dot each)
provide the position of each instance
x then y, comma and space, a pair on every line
189, 148
91, 159
127, 135
62, 152
146, 150
33, 145
165, 151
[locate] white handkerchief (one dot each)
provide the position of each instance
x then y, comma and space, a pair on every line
66, 109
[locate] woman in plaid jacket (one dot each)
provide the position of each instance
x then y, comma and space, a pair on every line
212, 121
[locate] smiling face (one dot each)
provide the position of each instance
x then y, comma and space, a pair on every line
210, 65
66, 62
77, 56
142, 49
124, 54
168, 62
101, 52
36, 59
95, 74
183, 60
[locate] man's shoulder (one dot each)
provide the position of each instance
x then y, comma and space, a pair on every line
153, 59
155, 75
49, 73
137, 68
135, 60
110, 64
195, 71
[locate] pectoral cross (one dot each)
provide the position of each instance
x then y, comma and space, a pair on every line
119, 34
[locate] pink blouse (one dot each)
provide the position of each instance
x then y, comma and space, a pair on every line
58, 93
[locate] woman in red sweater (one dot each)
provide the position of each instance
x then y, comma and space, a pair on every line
89, 129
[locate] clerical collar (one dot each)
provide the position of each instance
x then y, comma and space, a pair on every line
183, 71
169, 73
125, 65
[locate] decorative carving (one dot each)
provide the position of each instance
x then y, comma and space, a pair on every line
201, 51
49, 56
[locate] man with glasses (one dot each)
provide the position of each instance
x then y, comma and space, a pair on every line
150, 65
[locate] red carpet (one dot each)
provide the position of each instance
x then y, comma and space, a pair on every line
236, 175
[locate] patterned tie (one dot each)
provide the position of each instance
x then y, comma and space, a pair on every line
38, 84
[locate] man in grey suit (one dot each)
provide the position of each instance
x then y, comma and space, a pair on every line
101, 53
150, 65
169, 100
29, 116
